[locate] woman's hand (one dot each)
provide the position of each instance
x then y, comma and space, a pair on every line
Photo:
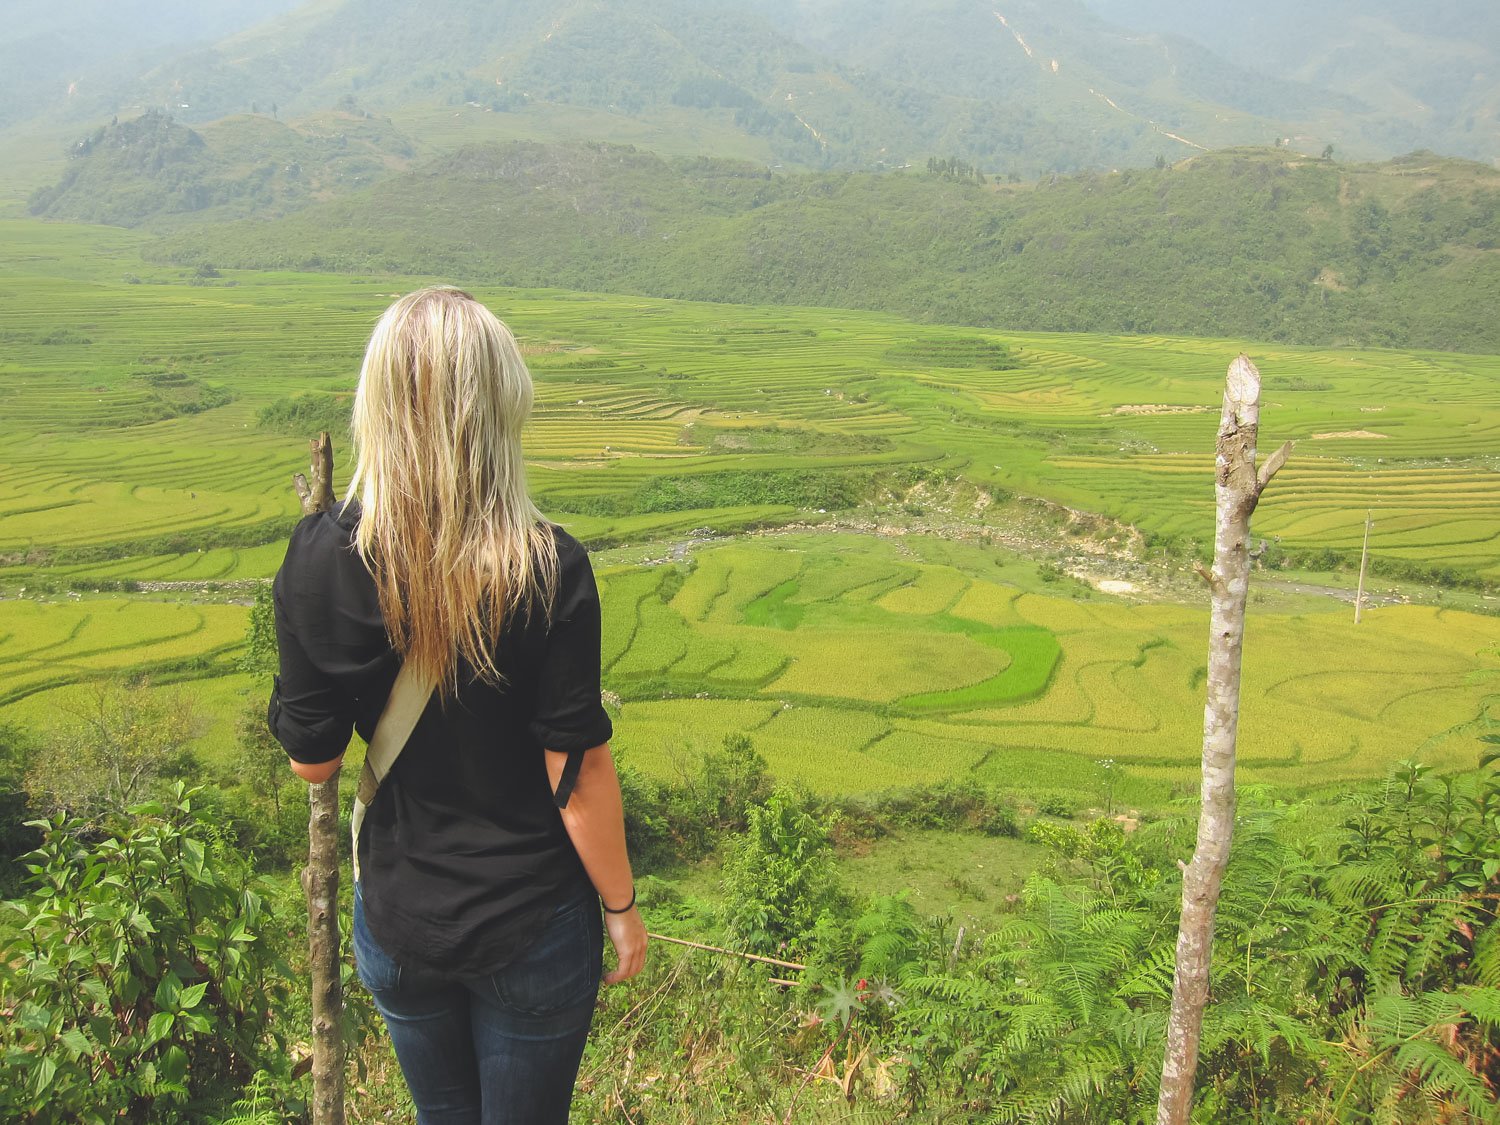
628, 933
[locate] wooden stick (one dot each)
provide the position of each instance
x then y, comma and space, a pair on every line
958, 944
728, 952
320, 878
1237, 490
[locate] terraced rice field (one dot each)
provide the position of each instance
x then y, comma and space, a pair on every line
1035, 690
134, 451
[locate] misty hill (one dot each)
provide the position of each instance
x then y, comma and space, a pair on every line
1255, 244
1024, 87
1429, 66
131, 171
637, 58
78, 57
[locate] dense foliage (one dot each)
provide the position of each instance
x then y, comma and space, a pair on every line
131, 171
1357, 979
1356, 976
136, 975
1255, 244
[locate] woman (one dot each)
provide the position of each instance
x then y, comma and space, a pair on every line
477, 912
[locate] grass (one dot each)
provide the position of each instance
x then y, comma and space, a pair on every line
963, 875
631, 390
1095, 679
129, 404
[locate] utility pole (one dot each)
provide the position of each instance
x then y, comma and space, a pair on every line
1364, 562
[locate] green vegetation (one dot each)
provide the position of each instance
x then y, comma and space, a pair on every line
873, 715
1258, 243
1027, 691
136, 972
906, 658
1355, 969
150, 167
307, 414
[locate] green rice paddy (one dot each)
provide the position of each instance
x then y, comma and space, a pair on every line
133, 452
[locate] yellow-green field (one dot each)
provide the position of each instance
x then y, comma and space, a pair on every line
135, 452
1068, 684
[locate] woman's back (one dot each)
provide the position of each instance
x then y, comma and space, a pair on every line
477, 911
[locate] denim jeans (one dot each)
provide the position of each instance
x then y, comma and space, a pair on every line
501, 1049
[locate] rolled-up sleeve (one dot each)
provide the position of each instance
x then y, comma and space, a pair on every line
569, 715
308, 713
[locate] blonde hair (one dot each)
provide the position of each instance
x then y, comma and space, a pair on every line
447, 528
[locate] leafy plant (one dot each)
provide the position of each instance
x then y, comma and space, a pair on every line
779, 876
136, 971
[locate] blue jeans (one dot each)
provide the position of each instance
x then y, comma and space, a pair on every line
501, 1049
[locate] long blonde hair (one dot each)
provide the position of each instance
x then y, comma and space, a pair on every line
446, 526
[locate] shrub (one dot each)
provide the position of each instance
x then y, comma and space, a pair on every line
779, 877
136, 971
1056, 804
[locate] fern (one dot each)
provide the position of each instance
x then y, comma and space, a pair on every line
256, 1107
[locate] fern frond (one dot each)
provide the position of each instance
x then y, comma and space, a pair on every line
1443, 1077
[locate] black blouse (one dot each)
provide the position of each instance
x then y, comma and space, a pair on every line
463, 854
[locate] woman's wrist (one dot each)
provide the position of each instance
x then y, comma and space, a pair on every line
626, 909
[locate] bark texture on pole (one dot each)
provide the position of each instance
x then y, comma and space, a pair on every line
1237, 489
320, 878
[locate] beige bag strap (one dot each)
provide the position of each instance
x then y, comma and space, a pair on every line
403, 707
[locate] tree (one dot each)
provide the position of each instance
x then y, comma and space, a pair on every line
125, 740
18, 751
259, 762
260, 648
1237, 491
1328, 152
320, 879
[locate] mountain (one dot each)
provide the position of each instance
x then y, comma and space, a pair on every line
636, 58
153, 167
76, 58
1428, 67
1019, 87
1254, 244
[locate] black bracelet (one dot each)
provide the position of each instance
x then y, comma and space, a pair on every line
624, 909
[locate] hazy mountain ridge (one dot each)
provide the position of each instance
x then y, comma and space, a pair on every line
76, 58
1025, 87
1432, 66
150, 167
1253, 244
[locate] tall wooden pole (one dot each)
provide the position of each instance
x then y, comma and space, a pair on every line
1237, 490
320, 878
1364, 562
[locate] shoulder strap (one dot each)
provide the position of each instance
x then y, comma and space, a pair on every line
403, 707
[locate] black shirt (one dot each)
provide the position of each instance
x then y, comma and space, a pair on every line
463, 853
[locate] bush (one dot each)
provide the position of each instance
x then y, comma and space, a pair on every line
667, 824
136, 971
949, 805
779, 877
1056, 804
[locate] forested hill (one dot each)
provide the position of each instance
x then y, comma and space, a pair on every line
1249, 243
1022, 87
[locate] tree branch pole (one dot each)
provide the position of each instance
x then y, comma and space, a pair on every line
1237, 489
320, 878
